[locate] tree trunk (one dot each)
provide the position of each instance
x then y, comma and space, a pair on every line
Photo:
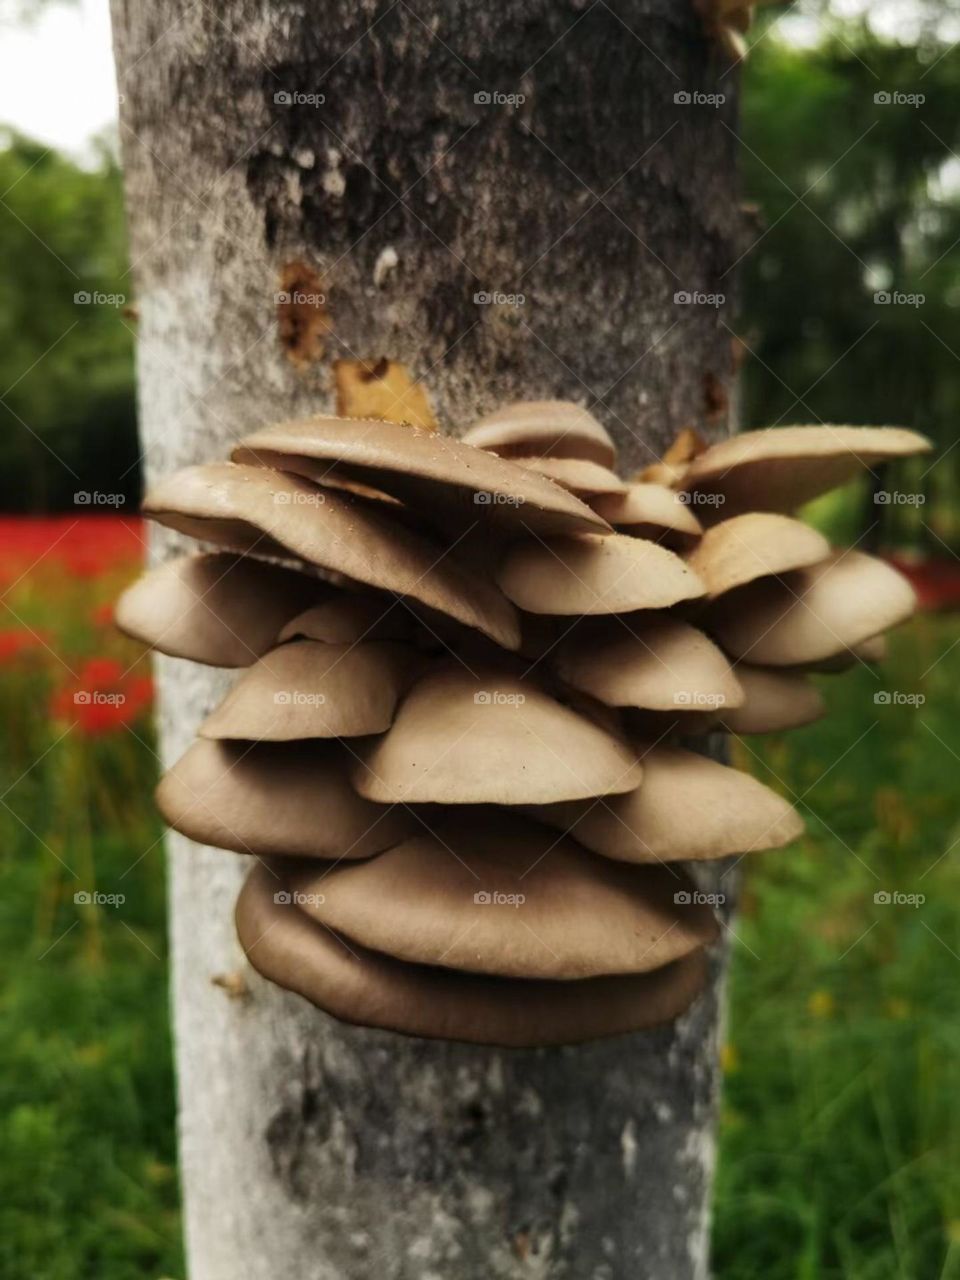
311, 1149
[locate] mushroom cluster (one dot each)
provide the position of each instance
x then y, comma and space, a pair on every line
459, 745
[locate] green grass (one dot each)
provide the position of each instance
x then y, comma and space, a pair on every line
840, 1141
840, 1136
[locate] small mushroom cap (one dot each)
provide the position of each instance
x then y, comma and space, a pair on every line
348, 618
249, 507
687, 807
419, 467
490, 738
814, 613
500, 894
276, 798
652, 507
370, 989
595, 574
547, 428
661, 664
754, 545
221, 609
309, 690
773, 700
781, 468
578, 475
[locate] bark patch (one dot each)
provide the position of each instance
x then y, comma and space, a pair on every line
303, 320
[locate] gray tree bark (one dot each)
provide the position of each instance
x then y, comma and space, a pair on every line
311, 1149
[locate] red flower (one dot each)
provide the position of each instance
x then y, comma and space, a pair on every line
102, 615
15, 643
102, 698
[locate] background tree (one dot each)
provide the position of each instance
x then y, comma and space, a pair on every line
405, 162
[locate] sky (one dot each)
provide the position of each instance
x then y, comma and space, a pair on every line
57, 81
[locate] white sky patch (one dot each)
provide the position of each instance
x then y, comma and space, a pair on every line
57, 82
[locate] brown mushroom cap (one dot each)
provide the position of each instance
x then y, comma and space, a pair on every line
653, 508
813, 613
221, 609
659, 663
774, 700
276, 798
687, 807
490, 738
421, 468
547, 428
305, 689
595, 574
780, 468
500, 894
370, 989
754, 545
578, 475
249, 507
348, 618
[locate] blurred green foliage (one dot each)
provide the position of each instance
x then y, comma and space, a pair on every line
856, 198
67, 414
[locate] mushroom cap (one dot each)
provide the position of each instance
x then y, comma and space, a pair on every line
547, 428
781, 468
653, 507
662, 664
249, 507
346, 619
595, 574
578, 475
490, 738
370, 989
305, 689
276, 798
754, 545
687, 807
773, 700
870, 652
500, 894
814, 613
419, 467
217, 608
